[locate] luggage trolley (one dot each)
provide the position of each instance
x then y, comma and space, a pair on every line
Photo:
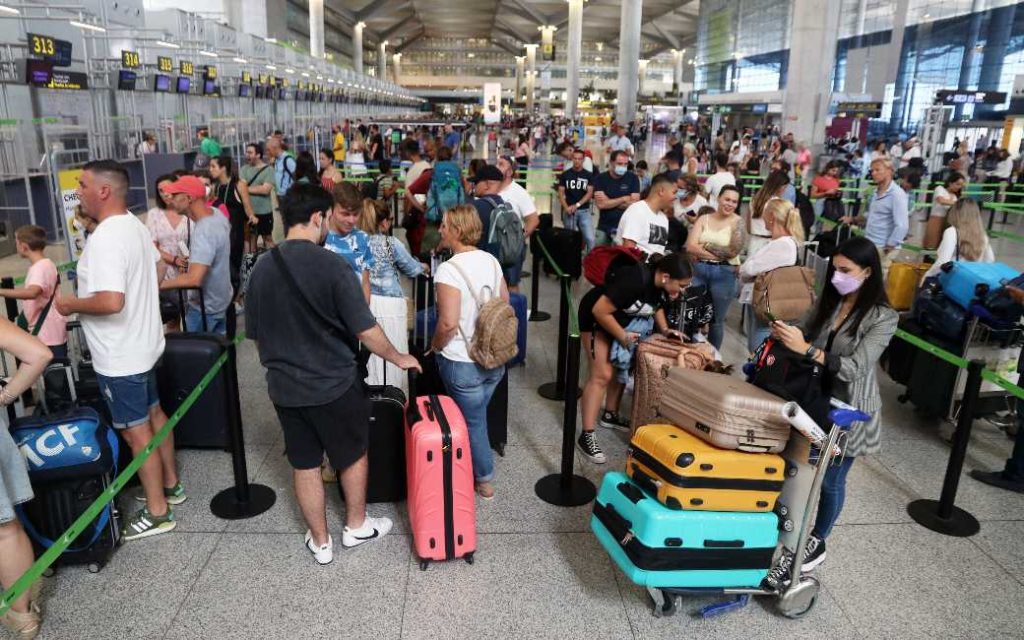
800, 595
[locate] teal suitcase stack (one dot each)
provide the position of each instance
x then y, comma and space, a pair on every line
660, 547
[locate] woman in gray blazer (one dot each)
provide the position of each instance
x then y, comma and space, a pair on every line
848, 330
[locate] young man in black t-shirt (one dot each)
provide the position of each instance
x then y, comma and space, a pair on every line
614, 190
308, 342
575, 191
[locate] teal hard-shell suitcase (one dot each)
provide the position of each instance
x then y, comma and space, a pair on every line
660, 547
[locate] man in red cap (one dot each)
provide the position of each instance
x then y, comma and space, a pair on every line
208, 259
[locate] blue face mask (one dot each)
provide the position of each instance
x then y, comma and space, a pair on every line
680, 193
620, 170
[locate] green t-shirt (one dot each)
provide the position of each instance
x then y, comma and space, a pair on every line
210, 147
255, 176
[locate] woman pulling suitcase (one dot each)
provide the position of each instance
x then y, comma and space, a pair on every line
605, 312
848, 330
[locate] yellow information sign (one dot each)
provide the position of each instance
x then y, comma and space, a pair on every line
67, 181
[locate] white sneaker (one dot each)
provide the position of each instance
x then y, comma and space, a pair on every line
372, 529
322, 554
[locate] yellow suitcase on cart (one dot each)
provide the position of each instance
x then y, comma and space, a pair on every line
684, 472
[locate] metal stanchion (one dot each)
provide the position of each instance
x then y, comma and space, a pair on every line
943, 515
536, 315
244, 499
567, 489
556, 390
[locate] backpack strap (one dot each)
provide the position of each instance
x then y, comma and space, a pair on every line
476, 298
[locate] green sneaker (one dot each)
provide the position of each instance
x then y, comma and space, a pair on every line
144, 524
174, 495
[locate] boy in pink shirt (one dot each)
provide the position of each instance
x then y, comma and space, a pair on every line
37, 294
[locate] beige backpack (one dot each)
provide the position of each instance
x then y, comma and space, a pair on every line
494, 336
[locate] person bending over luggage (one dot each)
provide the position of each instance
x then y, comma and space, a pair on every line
307, 314
16, 554
387, 299
469, 276
715, 243
782, 221
119, 309
38, 316
633, 291
849, 328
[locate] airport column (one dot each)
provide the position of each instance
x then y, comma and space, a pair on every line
629, 54
316, 28
357, 47
573, 53
531, 76
520, 69
396, 67
812, 54
382, 61
677, 73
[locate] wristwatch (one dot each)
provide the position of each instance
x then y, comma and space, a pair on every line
812, 351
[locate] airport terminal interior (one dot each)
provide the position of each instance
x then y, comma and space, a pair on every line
895, 125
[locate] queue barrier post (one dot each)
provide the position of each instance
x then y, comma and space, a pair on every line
566, 489
244, 499
942, 515
536, 315
556, 390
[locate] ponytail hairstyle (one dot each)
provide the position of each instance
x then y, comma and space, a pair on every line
373, 214
787, 215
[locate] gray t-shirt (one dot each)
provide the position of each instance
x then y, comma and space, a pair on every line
308, 363
211, 246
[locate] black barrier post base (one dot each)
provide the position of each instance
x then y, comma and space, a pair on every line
539, 316
552, 490
942, 515
554, 391
226, 504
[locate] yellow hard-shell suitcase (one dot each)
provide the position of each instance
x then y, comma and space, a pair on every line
684, 472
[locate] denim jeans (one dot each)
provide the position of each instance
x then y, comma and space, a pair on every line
756, 330
471, 386
215, 323
721, 282
584, 223
833, 495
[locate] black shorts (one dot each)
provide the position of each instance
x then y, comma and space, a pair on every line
341, 428
264, 224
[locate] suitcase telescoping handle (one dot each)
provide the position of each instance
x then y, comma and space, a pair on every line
413, 411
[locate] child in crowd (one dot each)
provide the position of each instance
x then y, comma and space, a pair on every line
38, 316
644, 175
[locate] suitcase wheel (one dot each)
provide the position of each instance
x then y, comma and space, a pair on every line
424, 563
94, 567
469, 558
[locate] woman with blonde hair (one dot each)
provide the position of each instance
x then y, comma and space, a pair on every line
689, 158
757, 229
782, 220
387, 299
464, 283
964, 239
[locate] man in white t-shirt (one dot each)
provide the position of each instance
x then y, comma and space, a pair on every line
514, 194
740, 150
120, 312
644, 225
721, 178
913, 150
619, 142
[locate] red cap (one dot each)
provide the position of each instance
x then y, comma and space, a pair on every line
189, 185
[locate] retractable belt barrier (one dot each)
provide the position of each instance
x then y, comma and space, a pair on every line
61, 543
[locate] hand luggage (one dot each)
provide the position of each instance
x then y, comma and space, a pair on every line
784, 293
71, 459
518, 302
938, 315
441, 493
966, 282
187, 357
385, 452
902, 281
684, 472
654, 357
898, 358
791, 376
497, 416
692, 310
565, 246
659, 547
725, 411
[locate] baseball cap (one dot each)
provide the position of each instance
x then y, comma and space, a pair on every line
488, 172
189, 185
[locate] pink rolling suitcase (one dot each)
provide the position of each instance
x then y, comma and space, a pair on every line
441, 496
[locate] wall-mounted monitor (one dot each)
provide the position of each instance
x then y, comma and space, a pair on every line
210, 88
261, 91
161, 83
38, 72
184, 84
243, 91
126, 80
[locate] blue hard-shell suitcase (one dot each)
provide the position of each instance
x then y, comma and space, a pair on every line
659, 547
964, 282
518, 302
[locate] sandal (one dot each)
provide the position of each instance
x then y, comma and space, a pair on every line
485, 490
24, 625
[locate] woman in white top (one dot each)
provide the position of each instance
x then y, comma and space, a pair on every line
787, 235
355, 159
945, 196
469, 271
964, 239
171, 232
690, 163
690, 198
758, 233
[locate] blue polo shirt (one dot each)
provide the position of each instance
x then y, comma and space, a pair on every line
888, 217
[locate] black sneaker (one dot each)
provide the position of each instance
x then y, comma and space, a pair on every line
997, 479
587, 444
610, 420
779, 575
814, 553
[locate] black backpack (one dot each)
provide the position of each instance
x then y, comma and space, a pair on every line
792, 376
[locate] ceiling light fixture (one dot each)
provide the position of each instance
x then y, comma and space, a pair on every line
87, 26
289, 70
208, 54
169, 45
10, 10
305, 75
270, 40
271, 67
240, 60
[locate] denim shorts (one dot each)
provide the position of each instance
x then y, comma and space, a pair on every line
129, 398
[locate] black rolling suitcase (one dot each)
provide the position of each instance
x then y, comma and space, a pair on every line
497, 416
898, 358
386, 448
66, 480
187, 357
566, 249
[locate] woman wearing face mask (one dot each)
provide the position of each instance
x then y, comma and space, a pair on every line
212, 200
690, 197
344, 239
715, 243
782, 220
848, 330
637, 291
